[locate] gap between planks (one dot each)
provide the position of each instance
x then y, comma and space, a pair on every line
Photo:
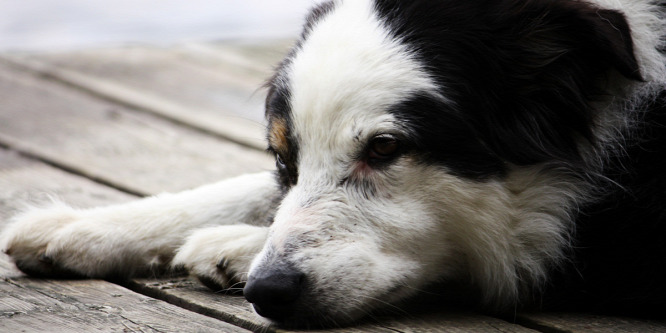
236, 130
6, 143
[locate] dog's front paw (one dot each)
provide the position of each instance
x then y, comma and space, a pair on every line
29, 239
220, 257
63, 242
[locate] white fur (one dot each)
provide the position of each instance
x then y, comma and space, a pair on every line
136, 237
221, 254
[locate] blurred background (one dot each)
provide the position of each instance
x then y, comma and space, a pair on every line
35, 25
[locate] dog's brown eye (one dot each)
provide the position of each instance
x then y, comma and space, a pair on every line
383, 147
279, 161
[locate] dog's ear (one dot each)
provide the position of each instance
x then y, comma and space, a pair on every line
611, 35
575, 33
555, 56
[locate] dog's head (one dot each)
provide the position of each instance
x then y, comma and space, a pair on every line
426, 141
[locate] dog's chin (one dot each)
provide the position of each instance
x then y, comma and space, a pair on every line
315, 312
318, 310
398, 302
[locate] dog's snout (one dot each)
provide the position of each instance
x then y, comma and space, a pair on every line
274, 292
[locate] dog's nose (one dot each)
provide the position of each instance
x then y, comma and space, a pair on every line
274, 292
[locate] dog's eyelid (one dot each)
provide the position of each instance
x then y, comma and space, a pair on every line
279, 159
383, 148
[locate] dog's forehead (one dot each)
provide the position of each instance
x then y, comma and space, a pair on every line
348, 72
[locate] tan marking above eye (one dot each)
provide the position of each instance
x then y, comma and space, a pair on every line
277, 135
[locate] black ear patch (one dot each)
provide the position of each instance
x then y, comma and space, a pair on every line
614, 40
575, 31
600, 37
553, 57
523, 74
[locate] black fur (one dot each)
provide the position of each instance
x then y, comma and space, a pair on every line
521, 75
619, 259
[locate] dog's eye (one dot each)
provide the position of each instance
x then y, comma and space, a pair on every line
280, 162
383, 147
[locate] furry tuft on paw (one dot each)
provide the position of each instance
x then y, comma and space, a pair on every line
220, 257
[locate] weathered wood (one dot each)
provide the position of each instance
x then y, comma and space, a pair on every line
588, 323
138, 152
245, 58
234, 309
450, 322
92, 305
187, 293
215, 90
27, 182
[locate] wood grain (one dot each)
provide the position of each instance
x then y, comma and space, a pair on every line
215, 90
27, 182
451, 322
234, 309
589, 323
91, 305
137, 152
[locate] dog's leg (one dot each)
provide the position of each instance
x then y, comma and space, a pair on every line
220, 257
134, 238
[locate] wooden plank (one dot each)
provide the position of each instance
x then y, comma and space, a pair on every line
27, 182
82, 305
450, 322
234, 309
92, 305
215, 89
588, 323
254, 58
138, 152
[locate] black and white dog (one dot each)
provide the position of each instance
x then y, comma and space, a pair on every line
516, 148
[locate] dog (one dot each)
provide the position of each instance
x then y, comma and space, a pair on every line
513, 148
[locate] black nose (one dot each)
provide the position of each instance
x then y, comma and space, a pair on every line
274, 292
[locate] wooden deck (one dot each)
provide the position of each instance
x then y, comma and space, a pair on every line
103, 126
